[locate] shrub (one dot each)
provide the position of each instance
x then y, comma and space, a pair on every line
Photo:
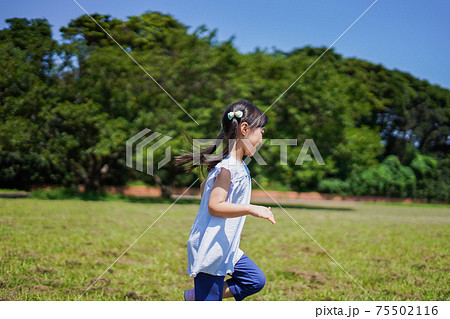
390, 179
334, 186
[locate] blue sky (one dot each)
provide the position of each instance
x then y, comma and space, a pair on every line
408, 35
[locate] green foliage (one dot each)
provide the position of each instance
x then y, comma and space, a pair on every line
34, 38
433, 177
67, 123
359, 149
334, 186
390, 179
424, 166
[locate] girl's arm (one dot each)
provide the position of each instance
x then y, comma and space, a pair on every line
218, 207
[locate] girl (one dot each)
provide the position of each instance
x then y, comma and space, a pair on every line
213, 244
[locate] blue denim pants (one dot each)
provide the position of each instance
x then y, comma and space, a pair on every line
247, 279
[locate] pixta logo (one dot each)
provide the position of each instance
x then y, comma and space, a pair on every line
150, 147
143, 146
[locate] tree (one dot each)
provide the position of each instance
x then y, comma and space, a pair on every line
378, 131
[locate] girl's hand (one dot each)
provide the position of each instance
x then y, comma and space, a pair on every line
262, 212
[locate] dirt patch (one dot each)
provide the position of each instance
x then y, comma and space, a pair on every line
396, 276
328, 298
420, 266
419, 282
109, 253
309, 250
9, 296
429, 258
410, 296
133, 295
382, 261
309, 276
40, 288
291, 292
181, 271
447, 269
288, 250
45, 270
101, 282
33, 288
126, 261
258, 195
73, 263
321, 253
104, 291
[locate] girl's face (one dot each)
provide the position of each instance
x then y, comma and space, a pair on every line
252, 140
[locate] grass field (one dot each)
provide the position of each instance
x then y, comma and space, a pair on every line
54, 249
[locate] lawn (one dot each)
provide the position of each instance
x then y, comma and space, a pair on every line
55, 249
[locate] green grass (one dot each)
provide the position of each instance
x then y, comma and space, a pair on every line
54, 250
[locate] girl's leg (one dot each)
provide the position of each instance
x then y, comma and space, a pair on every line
226, 291
208, 287
247, 279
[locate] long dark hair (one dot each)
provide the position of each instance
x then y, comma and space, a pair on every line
227, 137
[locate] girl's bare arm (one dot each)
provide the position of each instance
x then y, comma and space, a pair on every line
218, 207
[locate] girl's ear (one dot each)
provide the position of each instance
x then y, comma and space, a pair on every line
244, 128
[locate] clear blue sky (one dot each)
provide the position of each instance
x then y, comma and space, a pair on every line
408, 35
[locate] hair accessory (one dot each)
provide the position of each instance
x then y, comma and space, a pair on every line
238, 114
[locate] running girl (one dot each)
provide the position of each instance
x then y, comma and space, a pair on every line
213, 244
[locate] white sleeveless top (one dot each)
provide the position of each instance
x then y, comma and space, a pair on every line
213, 244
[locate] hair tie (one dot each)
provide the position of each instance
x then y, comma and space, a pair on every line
238, 114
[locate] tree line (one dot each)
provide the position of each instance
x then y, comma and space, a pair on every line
67, 109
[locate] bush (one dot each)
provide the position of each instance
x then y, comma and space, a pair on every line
433, 177
55, 193
437, 187
69, 193
390, 179
334, 186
